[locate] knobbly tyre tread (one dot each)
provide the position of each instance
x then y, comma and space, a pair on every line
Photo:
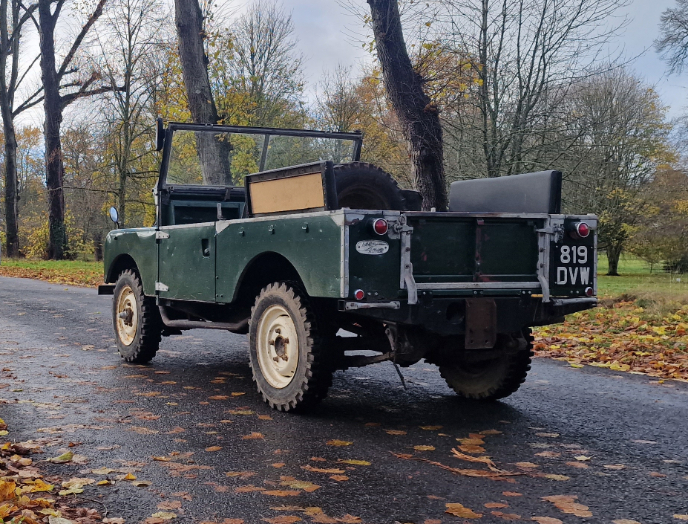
147, 341
375, 178
515, 374
317, 378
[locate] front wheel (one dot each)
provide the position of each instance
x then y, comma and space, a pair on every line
493, 378
138, 326
287, 356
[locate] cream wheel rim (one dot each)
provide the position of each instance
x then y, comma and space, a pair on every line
127, 316
277, 347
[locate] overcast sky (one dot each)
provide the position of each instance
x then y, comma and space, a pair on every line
324, 30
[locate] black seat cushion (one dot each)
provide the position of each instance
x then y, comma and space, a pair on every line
528, 193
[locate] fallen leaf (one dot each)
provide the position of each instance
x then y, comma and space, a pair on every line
567, 504
579, 465
526, 465
164, 515
614, 466
424, 448
248, 489
278, 465
213, 448
283, 519
354, 462
395, 432
547, 435
282, 493
546, 520
253, 436
339, 478
657, 475
170, 504
548, 454
240, 412
495, 505
459, 510
218, 397
328, 471
582, 458
681, 517
306, 486
625, 521
77, 482
506, 516
511, 494
560, 478
113, 520
62, 459
430, 428
339, 443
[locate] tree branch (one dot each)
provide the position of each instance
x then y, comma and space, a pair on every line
77, 42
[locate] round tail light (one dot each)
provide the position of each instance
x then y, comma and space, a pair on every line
359, 294
589, 291
582, 229
380, 226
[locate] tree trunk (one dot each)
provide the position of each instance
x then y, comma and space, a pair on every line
52, 107
613, 255
11, 194
213, 153
416, 112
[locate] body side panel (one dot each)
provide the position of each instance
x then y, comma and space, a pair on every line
310, 242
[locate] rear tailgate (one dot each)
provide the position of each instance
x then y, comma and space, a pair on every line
459, 251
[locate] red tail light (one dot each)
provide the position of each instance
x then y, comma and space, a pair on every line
359, 294
380, 226
582, 229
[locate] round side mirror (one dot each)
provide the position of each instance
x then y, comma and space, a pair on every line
114, 216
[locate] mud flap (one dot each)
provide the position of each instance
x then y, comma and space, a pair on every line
481, 323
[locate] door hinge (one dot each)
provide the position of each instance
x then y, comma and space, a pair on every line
159, 286
160, 235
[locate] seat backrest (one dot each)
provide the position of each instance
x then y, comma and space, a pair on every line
527, 193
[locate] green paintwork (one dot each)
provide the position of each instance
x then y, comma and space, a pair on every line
139, 244
471, 249
187, 262
312, 244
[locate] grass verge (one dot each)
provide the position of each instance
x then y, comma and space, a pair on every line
70, 272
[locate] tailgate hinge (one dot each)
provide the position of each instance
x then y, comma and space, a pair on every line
159, 286
406, 281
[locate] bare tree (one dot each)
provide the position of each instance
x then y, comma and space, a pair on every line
125, 45
13, 17
673, 41
261, 62
213, 154
57, 93
417, 114
523, 54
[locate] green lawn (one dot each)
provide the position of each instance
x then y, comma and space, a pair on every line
74, 272
635, 279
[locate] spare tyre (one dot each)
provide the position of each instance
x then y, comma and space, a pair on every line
363, 186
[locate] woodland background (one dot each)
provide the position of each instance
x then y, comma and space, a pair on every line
520, 86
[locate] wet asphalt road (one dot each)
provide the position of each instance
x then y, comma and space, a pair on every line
62, 381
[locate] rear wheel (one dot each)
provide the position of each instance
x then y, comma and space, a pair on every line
493, 378
287, 356
137, 322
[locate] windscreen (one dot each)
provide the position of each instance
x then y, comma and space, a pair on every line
210, 158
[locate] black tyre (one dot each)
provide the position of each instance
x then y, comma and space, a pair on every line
136, 318
493, 378
287, 356
364, 186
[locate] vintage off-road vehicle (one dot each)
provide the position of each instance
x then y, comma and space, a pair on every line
317, 245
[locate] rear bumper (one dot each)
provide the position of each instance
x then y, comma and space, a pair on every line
447, 315
106, 289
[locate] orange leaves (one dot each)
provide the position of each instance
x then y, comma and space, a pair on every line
567, 504
283, 519
328, 471
459, 510
253, 436
213, 448
621, 338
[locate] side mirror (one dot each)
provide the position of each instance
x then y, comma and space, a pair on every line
114, 216
159, 134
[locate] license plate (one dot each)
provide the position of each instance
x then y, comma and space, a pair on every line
571, 266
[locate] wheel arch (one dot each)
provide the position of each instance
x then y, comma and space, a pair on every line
125, 261
264, 269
